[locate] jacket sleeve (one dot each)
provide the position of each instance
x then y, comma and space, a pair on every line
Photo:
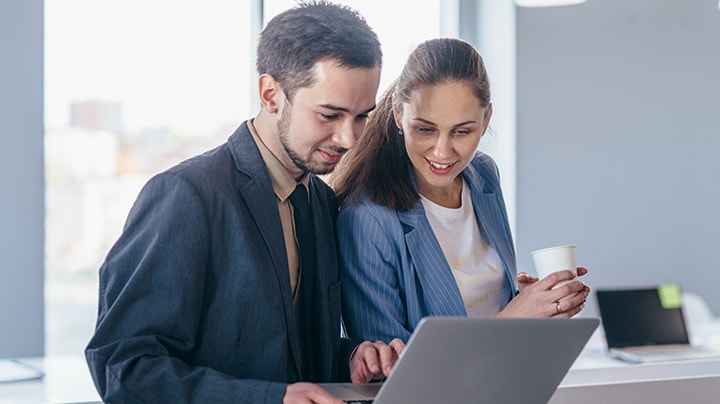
370, 269
150, 308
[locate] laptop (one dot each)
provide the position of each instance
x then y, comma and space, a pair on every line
647, 325
468, 360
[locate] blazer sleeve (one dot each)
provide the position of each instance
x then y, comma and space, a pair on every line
151, 299
370, 249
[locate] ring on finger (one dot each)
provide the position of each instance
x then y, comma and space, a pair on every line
557, 307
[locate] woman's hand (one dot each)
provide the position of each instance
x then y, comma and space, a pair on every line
536, 298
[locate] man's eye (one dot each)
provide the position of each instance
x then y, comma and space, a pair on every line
329, 117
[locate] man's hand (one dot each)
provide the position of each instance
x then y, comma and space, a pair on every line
308, 393
374, 359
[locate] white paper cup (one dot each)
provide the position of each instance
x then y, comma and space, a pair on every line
553, 259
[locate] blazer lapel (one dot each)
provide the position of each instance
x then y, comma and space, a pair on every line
256, 193
491, 217
325, 273
433, 272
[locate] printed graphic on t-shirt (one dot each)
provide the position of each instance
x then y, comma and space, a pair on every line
475, 264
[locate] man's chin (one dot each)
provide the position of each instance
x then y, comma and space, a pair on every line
321, 168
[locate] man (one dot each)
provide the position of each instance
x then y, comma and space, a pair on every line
206, 296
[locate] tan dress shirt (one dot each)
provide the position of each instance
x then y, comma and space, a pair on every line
283, 184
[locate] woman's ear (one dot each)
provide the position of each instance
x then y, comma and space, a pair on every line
270, 93
486, 118
397, 114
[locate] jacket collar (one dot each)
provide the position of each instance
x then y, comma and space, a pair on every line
427, 255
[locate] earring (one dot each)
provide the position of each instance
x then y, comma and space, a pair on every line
400, 132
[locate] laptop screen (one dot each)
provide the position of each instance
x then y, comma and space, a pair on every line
636, 317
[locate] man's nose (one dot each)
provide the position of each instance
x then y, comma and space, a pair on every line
347, 133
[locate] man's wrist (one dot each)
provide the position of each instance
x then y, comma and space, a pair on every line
352, 353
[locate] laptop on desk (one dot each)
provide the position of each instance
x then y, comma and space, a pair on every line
464, 360
647, 325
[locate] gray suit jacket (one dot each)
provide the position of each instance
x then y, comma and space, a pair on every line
195, 300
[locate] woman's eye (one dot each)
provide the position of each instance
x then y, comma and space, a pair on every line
463, 131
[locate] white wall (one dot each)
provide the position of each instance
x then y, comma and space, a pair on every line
489, 25
22, 184
618, 138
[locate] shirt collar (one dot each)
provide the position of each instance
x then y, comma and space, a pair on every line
282, 182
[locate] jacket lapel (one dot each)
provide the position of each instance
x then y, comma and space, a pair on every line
325, 273
256, 193
491, 217
427, 258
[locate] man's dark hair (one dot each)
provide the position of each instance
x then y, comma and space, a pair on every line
296, 39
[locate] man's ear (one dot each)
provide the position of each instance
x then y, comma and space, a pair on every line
270, 93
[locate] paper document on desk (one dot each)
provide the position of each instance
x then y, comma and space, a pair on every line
12, 370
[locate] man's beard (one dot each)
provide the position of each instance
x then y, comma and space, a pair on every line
305, 165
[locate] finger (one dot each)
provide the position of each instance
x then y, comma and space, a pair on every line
555, 277
557, 309
370, 358
524, 277
571, 306
571, 293
321, 396
308, 393
359, 372
573, 311
581, 271
387, 356
398, 346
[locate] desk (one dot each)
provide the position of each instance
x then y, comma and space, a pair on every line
594, 378
695, 381
597, 378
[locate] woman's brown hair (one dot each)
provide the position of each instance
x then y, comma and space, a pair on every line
378, 163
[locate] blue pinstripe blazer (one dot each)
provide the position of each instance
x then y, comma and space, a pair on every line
393, 270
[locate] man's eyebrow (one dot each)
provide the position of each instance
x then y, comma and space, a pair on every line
341, 109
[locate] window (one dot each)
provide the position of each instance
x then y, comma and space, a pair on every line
131, 88
134, 87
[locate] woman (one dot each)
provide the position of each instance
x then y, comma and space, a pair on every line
423, 228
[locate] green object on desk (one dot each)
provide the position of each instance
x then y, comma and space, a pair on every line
670, 296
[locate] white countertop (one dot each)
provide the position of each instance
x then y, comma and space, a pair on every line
66, 379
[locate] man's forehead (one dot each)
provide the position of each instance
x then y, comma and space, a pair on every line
341, 87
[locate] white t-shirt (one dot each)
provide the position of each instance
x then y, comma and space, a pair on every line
475, 264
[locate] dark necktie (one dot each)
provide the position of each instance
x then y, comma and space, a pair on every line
304, 312
304, 228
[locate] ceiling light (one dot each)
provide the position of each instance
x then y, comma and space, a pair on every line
546, 3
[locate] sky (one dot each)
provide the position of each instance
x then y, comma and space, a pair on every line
183, 64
